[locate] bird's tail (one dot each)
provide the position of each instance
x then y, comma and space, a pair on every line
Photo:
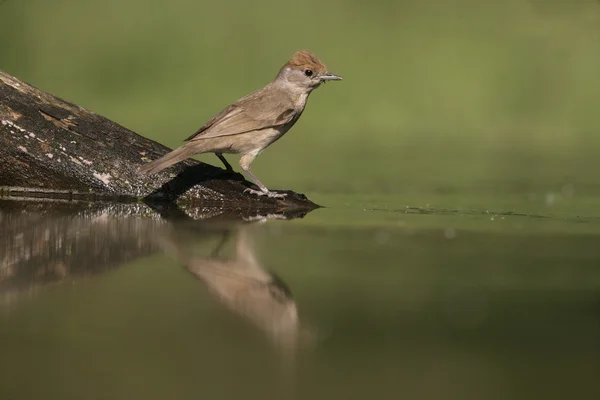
168, 159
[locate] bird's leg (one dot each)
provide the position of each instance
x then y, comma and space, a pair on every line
224, 161
245, 162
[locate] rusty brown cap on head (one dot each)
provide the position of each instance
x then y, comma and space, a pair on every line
304, 59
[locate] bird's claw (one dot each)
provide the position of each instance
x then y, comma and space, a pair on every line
269, 194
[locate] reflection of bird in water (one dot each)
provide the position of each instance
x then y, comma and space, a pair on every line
244, 286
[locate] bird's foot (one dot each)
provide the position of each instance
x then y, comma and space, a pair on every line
268, 193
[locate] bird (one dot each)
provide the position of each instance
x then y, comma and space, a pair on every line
255, 121
239, 281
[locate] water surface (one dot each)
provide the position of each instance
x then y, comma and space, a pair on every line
356, 300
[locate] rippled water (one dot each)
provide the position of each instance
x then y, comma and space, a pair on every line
381, 298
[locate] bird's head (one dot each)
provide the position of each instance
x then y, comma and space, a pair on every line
304, 71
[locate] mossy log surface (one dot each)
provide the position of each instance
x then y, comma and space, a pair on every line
54, 149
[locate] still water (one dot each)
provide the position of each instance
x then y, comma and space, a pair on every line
358, 300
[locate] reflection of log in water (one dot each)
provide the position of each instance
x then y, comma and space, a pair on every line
44, 243
242, 284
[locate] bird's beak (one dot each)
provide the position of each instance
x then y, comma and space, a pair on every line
331, 77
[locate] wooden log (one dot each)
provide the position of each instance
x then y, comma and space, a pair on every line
54, 149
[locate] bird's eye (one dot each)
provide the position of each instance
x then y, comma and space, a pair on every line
308, 72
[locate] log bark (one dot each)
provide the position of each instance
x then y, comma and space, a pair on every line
54, 149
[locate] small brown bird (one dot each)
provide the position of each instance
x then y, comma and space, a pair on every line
255, 121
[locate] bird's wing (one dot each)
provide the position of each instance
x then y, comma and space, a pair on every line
222, 116
253, 112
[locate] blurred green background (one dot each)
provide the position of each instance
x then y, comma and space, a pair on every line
446, 106
484, 96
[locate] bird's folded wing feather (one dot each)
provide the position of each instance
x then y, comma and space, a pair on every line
245, 115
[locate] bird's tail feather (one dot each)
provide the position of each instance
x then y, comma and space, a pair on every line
167, 160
